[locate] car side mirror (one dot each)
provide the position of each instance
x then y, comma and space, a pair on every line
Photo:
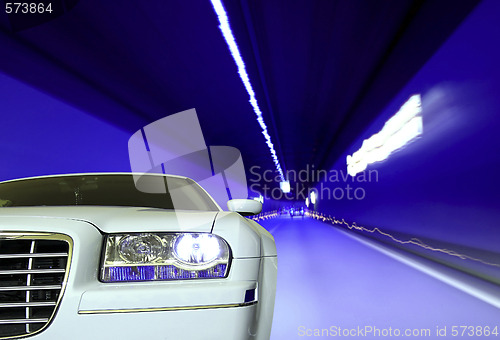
245, 207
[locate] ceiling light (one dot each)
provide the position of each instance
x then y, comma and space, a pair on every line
285, 186
233, 47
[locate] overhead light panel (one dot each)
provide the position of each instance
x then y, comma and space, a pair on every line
285, 186
401, 129
313, 197
259, 199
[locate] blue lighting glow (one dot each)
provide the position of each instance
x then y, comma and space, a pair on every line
250, 295
143, 273
233, 47
166, 272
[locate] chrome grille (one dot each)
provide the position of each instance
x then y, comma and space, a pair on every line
33, 273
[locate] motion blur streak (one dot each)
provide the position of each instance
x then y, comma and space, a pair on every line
414, 241
402, 128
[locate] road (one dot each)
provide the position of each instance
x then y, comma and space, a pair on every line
330, 283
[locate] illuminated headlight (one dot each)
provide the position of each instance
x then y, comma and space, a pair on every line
165, 256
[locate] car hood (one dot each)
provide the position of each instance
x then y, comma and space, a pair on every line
122, 219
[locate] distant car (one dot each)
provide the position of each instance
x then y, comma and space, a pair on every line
88, 256
296, 212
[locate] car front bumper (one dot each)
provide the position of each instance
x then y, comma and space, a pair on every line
184, 309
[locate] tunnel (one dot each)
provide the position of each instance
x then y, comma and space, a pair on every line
367, 130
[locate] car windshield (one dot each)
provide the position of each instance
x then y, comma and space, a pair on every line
106, 190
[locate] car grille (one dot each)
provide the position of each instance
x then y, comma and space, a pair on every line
33, 272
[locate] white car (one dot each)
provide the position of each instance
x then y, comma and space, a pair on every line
88, 256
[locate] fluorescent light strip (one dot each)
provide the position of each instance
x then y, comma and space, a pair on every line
405, 126
233, 47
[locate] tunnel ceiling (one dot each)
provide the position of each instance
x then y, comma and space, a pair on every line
322, 70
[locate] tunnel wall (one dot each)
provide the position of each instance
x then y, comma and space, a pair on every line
443, 187
41, 136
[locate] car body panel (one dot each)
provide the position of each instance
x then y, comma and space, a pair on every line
123, 219
218, 308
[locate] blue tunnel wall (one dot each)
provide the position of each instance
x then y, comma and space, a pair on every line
443, 187
42, 136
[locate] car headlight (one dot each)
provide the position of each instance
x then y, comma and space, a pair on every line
164, 256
